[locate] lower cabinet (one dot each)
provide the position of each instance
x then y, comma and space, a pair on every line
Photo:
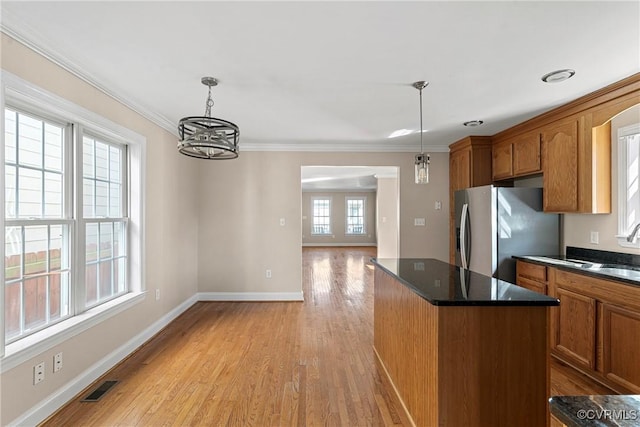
531, 276
621, 346
596, 328
576, 333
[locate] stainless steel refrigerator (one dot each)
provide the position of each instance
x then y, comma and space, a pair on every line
495, 223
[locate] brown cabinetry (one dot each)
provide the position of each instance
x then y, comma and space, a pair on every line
560, 179
596, 328
621, 346
469, 166
577, 166
576, 328
517, 156
527, 155
502, 161
531, 276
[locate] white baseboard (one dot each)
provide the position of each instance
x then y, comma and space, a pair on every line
250, 296
64, 394
339, 245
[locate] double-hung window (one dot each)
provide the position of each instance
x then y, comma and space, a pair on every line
73, 209
355, 215
38, 224
321, 215
103, 220
628, 183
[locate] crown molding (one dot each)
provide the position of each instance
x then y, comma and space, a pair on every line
30, 38
353, 147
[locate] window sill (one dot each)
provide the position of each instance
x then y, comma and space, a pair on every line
33, 345
622, 241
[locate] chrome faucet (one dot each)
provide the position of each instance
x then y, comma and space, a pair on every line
634, 233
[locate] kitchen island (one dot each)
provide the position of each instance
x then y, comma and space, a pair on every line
460, 348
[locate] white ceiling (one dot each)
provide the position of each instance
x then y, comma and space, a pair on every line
337, 75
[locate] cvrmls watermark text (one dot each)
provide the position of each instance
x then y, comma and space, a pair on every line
609, 414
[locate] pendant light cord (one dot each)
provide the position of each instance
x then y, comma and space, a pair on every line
421, 132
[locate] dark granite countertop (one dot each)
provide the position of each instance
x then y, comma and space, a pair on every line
574, 254
596, 411
441, 283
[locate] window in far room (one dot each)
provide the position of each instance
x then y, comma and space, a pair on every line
628, 183
321, 209
355, 216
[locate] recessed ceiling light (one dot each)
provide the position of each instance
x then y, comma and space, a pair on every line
558, 76
473, 123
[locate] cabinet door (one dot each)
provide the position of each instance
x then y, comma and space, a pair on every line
526, 154
502, 161
576, 327
460, 164
621, 346
560, 175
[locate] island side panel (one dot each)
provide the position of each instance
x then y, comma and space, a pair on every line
405, 341
494, 366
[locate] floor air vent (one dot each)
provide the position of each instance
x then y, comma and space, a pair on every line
100, 391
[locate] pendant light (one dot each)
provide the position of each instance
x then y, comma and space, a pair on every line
422, 160
206, 137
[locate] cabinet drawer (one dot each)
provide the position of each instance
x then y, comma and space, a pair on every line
532, 271
532, 285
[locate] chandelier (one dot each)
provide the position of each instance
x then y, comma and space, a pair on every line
206, 137
422, 160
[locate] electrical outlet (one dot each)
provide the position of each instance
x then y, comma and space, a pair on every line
594, 237
57, 362
157, 294
38, 373
438, 205
267, 274
282, 221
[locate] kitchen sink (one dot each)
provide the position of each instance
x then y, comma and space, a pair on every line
615, 270
571, 263
626, 271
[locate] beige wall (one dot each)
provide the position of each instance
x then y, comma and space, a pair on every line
338, 219
239, 232
387, 217
577, 228
171, 218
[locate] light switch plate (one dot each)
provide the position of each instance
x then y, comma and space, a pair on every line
594, 237
419, 222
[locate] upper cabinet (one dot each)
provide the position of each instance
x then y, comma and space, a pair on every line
560, 179
526, 154
517, 156
469, 166
470, 162
577, 166
571, 146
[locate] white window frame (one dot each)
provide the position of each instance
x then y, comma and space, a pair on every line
18, 93
623, 227
313, 217
364, 215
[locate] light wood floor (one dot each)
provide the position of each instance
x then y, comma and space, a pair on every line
268, 364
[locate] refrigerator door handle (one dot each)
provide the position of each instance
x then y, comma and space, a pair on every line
463, 235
